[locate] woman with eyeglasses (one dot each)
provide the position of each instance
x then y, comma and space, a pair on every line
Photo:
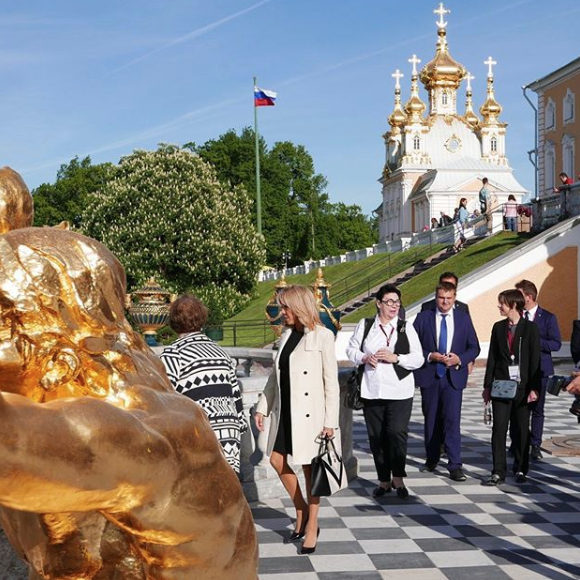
301, 397
390, 351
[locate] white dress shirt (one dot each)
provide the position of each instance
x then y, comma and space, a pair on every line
450, 328
532, 313
382, 382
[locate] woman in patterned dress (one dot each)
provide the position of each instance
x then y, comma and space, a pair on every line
202, 370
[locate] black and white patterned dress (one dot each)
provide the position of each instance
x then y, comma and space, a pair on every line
203, 371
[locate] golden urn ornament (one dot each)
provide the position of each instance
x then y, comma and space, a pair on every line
148, 307
273, 310
329, 314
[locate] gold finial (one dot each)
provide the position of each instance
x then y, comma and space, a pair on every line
443, 71
470, 116
491, 109
415, 106
398, 116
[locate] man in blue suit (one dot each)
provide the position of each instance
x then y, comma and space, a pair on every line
449, 344
550, 341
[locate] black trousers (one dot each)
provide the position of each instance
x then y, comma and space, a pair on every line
516, 412
388, 429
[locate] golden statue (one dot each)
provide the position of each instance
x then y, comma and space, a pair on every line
105, 472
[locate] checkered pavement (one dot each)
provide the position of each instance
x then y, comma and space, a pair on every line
445, 530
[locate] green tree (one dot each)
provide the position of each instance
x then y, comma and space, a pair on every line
298, 217
66, 198
165, 214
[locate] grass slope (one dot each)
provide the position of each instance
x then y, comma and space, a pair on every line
463, 263
348, 280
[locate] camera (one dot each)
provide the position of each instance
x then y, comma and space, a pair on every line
558, 383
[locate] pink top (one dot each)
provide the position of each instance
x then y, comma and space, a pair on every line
510, 209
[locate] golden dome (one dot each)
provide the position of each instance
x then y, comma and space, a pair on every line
415, 107
443, 70
398, 116
491, 109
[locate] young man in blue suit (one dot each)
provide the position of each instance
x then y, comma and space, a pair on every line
449, 344
550, 341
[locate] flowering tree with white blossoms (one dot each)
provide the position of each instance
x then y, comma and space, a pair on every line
165, 215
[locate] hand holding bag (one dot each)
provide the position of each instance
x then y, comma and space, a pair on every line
327, 472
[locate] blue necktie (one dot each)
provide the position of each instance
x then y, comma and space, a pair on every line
442, 348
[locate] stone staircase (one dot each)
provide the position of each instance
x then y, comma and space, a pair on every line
358, 302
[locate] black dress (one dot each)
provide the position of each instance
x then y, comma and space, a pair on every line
283, 442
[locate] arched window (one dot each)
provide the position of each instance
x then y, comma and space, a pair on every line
493, 144
549, 165
416, 143
568, 107
444, 98
550, 115
568, 155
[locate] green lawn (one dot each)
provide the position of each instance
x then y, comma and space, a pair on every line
466, 261
348, 280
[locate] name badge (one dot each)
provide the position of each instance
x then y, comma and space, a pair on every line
514, 371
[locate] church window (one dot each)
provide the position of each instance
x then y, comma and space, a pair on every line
550, 122
444, 98
549, 166
568, 155
416, 143
493, 144
568, 107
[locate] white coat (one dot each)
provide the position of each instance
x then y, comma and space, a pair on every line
314, 393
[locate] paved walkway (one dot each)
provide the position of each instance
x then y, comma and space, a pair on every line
445, 530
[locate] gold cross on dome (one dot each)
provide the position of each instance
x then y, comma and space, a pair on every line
469, 77
490, 62
414, 61
441, 11
397, 75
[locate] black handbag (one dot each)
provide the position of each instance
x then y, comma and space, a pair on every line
327, 472
353, 399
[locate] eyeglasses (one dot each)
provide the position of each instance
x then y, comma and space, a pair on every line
390, 302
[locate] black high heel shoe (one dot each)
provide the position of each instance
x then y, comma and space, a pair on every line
304, 550
296, 535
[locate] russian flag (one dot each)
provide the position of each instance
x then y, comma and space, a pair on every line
263, 97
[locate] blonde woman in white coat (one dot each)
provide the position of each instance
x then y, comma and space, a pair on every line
302, 398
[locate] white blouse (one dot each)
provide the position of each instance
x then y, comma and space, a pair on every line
382, 382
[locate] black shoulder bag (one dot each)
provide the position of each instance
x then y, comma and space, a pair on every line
353, 398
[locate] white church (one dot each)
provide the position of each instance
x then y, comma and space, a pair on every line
434, 160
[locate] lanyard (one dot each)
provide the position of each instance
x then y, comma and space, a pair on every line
390, 334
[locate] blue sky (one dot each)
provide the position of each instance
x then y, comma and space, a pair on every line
104, 78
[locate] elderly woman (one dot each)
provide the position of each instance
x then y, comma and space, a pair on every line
390, 351
301, 397
201, 370
514, 353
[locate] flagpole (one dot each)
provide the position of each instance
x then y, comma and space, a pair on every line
258, 194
